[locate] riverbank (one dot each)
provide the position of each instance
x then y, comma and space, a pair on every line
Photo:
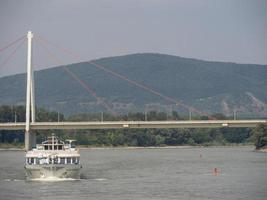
164, 147
262, 150
12, 147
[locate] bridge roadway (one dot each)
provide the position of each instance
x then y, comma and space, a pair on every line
133, 124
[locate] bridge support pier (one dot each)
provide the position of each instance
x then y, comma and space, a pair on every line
30, 140
27, 140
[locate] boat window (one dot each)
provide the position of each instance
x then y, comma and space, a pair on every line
76, 160
55, 160
62, 160
31, 160
60, 147
68, 160
42, 161
46, 147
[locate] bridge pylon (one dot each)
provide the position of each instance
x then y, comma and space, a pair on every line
30, 137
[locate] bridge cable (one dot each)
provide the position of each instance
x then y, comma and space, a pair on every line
12, 43
149, 89
75, 77
133, 82
12, 54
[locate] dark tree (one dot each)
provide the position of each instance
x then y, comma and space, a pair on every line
260, 134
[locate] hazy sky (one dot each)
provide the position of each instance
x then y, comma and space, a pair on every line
221, 30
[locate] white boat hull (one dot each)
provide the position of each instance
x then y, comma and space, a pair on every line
53, 171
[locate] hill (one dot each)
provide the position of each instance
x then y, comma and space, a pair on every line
214, 87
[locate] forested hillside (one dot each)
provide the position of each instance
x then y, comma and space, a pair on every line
213, 87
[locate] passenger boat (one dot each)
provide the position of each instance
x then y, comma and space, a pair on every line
53, 159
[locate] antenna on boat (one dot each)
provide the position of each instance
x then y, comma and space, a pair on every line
30, 138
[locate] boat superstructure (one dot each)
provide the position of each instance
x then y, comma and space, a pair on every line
53, 159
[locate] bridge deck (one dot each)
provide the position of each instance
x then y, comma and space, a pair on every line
133, 124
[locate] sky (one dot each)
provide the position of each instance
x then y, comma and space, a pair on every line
216, 30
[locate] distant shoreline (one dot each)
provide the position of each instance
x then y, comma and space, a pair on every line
150, 147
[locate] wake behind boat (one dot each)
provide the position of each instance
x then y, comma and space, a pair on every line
53, 159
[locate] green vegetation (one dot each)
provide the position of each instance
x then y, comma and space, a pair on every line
124, 137
260, 134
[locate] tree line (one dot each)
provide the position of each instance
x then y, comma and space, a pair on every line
132, 137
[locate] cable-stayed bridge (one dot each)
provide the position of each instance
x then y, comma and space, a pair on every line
31, 124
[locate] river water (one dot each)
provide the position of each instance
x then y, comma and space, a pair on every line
178, 173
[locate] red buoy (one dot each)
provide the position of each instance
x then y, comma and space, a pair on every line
215, 172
